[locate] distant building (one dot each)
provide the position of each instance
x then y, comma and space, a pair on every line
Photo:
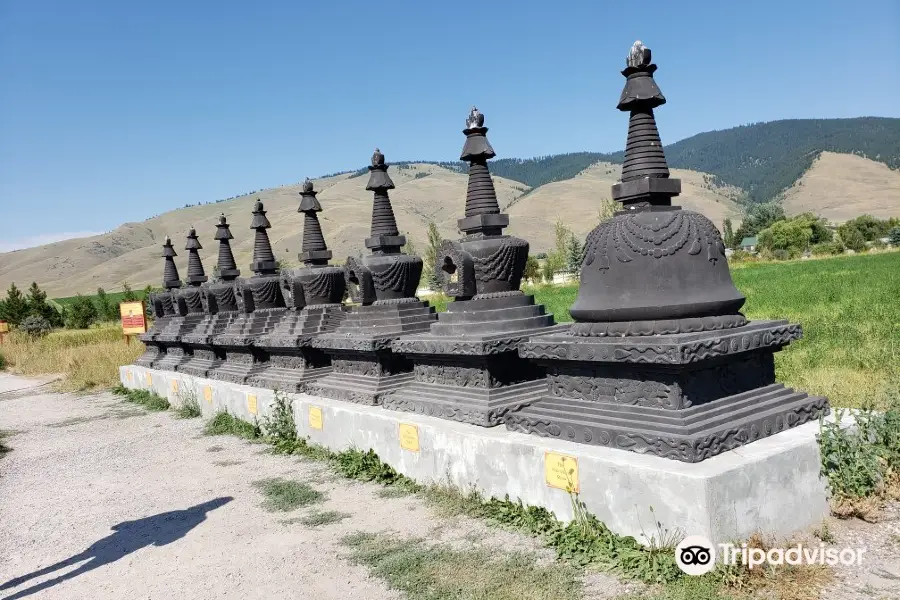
749, 244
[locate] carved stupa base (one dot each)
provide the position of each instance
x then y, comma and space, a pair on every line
293, 362
240, 364
176, 355
290, 369
242, 359
152, 353
684, 396
204, 360
363, 377
363, 367
467, 367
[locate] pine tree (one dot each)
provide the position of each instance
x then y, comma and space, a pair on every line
14, 309
573, 254
39, 307
728, 234
432, 251
82, 313
128, 294
106, 309
894, 236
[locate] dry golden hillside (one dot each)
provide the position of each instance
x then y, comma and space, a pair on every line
840, 187
576, 201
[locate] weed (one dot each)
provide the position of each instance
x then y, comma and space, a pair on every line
188, 404
425, 572
823, 532
4, 434
393, 492
149, 400
283, 495
862, 463
226, 424
279, 427
215, 449
327, 517
228, 463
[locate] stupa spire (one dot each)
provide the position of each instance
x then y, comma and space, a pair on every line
170, 271
482, 210
384, 236
314, 250
264, 262
195, 273
227, 267
645, 173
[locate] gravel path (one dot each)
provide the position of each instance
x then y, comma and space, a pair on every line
188, 521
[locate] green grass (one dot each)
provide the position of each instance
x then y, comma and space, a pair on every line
318, 518
188, 405
437, 572
227, 424
849, 308
149, 400
285, 495
114, 297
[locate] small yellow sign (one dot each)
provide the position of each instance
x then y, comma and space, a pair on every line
133, 321
149, 379
4, 327
130, 376
315, 417
409, 437
207, 393
174, 386
561, 471
251, 403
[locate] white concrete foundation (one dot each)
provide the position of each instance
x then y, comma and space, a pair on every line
771, 486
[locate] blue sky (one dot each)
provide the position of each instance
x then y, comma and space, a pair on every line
114, 111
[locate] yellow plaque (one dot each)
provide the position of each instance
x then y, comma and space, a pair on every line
207, 393
315, 417
149, 379
251, 403
133, 321
130, 376
561, 471
174, 386
4, 327
409, 437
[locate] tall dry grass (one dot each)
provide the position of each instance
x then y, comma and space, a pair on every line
87, 358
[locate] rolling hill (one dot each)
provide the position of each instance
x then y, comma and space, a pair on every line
535, 193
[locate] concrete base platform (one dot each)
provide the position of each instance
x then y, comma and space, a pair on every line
770, 486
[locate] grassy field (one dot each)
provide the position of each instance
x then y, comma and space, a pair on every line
114, 297
88, 358
849, 308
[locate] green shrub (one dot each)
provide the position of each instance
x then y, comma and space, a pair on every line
36, 326
832, 248
2, 362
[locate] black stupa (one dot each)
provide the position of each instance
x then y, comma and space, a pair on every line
314, 295
384, 284
467, 367
193, 300
659, 360
262, 308
165, 308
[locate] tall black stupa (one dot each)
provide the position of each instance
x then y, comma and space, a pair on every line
384, 284
659, 360
314, 294
167, 310
467, 367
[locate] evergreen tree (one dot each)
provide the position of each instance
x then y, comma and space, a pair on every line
573, 254
82, 313
728, 234
14, 309
851, 237
106, 308
39, 307
432, 252
532, 270
128, 294
894, 236
607, 209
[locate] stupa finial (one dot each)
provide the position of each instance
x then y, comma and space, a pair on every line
384, 236
639, 56
314, 251
475, 119
377, 158
481, 197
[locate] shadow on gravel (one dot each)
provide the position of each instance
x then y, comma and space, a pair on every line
129, 537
